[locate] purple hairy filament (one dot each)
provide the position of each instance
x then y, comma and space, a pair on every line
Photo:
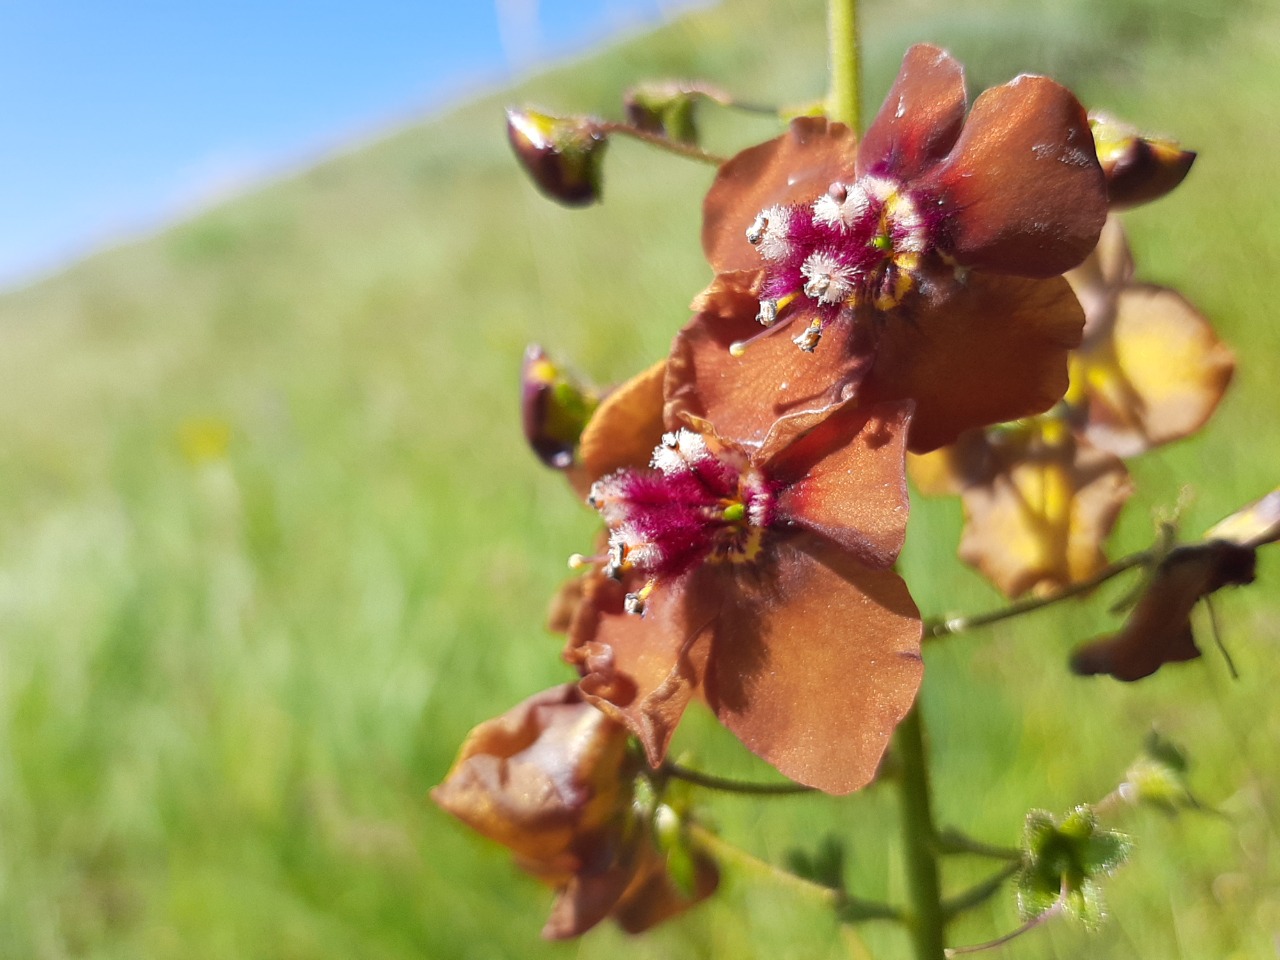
858, 244
702, 502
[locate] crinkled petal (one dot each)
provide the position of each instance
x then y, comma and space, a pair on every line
920, 119
744, 396
589, 897
538, 778
654, 897
1159, 376
1158, 630
793, 168
642, 671
990, 350
846, 480
814, 663
1040, 520
625, 427
1022, 188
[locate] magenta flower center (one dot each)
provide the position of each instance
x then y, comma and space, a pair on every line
859, 243
700, 503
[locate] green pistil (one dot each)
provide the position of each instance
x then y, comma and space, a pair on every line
735, 512
882, 242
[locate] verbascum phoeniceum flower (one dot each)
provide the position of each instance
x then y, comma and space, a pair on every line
555, 781
757, 577
924, 262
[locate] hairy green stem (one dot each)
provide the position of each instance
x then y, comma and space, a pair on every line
926, 918
657, 140
712, 782
843, 100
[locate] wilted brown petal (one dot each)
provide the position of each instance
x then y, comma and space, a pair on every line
541, 779
1159, 375
1158, 630
793, 168
1023, 185
744, 396
625, 427
1040, 517
653, 897
921, 117
988, 351
815, 663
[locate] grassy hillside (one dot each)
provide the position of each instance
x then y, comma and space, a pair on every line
270, 542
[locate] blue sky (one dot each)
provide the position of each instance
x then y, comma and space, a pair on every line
121, 115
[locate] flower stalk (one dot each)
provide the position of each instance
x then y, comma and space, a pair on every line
687, 150
843, 101
926, 918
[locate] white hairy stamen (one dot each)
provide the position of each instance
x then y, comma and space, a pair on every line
829, 281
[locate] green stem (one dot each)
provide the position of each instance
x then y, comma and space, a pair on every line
687, 150
843, 101
945, 626
953, 841
926, 918
712, 782
846, 908
980, 893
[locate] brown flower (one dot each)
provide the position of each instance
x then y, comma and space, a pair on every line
1150, 370
759, 578
869, 248
553, 780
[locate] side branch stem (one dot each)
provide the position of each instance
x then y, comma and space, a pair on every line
847, 909
687, 150
843, 101
946, 626
926, 918
712, 782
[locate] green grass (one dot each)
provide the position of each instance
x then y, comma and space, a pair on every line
227, 685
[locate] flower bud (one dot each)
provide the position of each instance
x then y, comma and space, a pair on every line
554, 408
665, 109
563, 155
1138, 168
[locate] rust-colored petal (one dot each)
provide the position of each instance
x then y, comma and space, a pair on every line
814, 663
1022, 188
654, 897
593, 894
642, 671
1157, 378
744, 396
539, 778
625, 427
793, 168
1158, 630
990, 350
846, 480
1040, 519
921, 117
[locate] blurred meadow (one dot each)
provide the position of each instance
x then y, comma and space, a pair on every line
271, 543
